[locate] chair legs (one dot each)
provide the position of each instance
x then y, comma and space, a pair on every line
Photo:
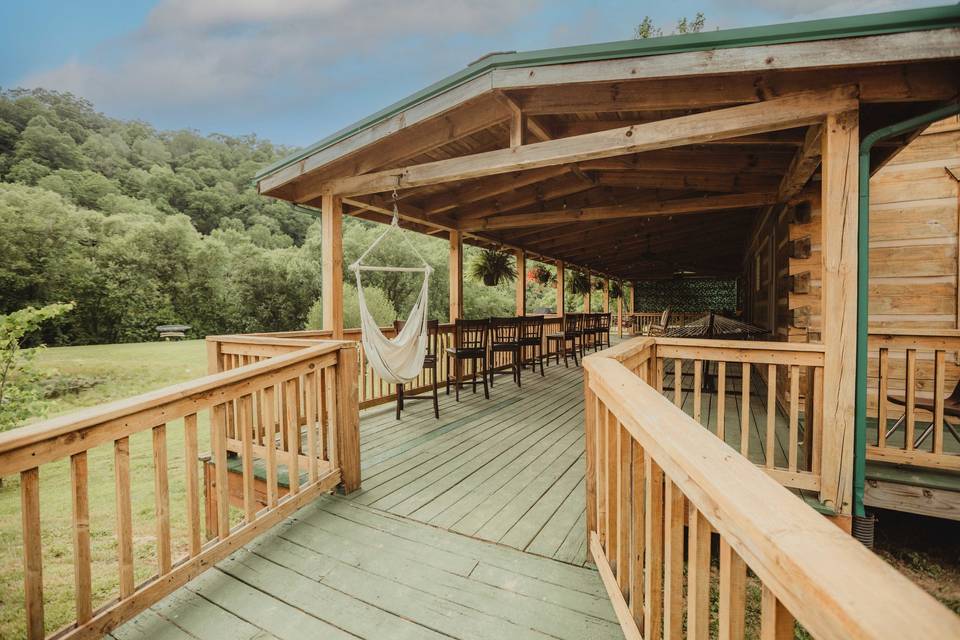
436, 401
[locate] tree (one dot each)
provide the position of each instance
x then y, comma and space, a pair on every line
646, 28
21, 395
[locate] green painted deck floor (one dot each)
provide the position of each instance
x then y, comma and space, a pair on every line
471, 526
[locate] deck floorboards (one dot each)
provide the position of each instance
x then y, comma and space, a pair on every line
470, 526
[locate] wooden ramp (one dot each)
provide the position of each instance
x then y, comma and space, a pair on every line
338, 569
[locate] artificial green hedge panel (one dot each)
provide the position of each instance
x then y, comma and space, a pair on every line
686, 294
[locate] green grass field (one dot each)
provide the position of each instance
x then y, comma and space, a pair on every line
121, 371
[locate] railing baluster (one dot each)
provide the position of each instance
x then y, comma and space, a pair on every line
330, 392
697, 384
161, 498
677, 381
121, 465
698, 576
310, 383
794, 432
660, 374
270, 442
601, 470
32, 552
293, 437
771, 452
939, 373
745, 411
218, 427
911, 398
721, 399
623, 509
638, 539
610, 469
673, 562
81, 536
883, 383
190, 456
733, 591
817, 436
653, 535
245, 426
776, 623
590, 449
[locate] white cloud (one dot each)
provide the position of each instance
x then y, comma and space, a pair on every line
203, 53
811, 9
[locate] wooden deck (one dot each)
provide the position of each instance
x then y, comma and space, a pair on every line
470, 526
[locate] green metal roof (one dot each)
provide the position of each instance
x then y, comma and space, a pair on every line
811, 30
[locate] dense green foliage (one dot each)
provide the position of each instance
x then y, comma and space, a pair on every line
143, 227
686, 294
21, 389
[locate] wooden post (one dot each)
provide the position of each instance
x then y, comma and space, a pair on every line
839, 283
331, 242
620, 311
213, 355
606, 295
348, 419
455, 268
586, 296
518, 126
521, 283
560, 274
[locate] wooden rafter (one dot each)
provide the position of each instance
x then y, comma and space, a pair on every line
790, 111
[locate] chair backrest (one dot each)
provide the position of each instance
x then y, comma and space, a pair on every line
433, 334
572, 322
665, 318
504, 330
604, 321
471, 334
531, 328
954, 396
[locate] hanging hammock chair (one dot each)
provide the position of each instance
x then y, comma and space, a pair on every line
400, 359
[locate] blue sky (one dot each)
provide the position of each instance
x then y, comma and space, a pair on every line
294, 71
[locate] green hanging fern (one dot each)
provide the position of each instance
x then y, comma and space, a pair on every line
615, 291
492, 266
579, 284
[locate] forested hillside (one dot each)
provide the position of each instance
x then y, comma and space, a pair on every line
142, 227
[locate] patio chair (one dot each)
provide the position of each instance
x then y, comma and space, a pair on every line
951, 407
505, 338
660, 329
531, 337
429, 364
470, 345
601, 331
572, 330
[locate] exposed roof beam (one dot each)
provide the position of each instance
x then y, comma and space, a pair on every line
803, 166
697, 159
791, 111
491, 187
524, 198
729, 183
635, 210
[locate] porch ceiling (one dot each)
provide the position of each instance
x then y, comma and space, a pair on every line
638, 215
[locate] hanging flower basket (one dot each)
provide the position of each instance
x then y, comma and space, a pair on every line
615, 291
541, 275
492, 267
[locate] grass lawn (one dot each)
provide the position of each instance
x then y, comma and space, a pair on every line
121, 371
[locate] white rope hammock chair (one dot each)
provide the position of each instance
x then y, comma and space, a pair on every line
400, 359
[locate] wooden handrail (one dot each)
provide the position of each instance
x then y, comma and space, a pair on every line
652, 470
297, 410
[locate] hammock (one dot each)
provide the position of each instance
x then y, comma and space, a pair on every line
400, 359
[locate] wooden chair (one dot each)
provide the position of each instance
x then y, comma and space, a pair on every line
429, 364
505, 338
660, 329
951, 407
470, 345
531, 337
572, 330
601, 330
588, 323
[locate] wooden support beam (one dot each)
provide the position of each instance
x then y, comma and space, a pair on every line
459, 196
636, 210
690, 180
331, 255
521, 283
560, 287
804, 164
778, 113
623, 292
455, 269
839, 305
586, 296
606, 295
533, 194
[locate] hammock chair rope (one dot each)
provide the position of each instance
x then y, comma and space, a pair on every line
400, 359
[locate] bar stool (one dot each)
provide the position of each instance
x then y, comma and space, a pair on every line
470, 345
505, 338
571, 331
531, 337
601, 338
429, 364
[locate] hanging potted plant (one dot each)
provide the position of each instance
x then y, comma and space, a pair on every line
579, 284
541, 275
598, 285
615, 291
492, 266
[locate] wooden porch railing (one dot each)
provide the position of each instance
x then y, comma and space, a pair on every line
653, 471
918, 369
295, 412
228, 352
641, 319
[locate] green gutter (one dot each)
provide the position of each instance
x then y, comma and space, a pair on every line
807, 31
863, 289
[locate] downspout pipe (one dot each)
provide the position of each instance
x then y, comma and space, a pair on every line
863, 292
